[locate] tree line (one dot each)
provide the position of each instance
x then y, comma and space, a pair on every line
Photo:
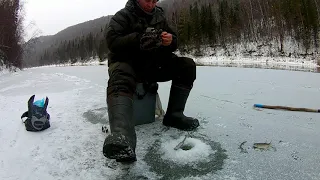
203, 23
224, 22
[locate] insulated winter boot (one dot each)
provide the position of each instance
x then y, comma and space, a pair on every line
174, 116
121, 144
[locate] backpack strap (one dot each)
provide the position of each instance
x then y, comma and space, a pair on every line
25, 114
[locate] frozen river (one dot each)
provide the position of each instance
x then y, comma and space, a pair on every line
222, 148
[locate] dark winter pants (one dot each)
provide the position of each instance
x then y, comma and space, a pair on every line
124, 76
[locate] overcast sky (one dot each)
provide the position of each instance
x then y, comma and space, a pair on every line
52, 16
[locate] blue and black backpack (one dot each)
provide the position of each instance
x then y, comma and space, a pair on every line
37, 115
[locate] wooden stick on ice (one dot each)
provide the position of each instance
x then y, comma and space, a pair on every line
286, 108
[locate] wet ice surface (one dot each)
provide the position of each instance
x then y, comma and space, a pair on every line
222, 99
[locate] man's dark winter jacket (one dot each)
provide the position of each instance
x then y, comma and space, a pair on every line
125, 30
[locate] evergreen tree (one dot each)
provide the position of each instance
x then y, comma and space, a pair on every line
11, 29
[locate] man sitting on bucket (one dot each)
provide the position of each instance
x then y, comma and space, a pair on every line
141, 45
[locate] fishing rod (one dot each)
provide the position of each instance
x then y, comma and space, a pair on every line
287, 108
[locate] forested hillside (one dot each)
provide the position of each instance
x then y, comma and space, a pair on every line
74, 44
233, 27
225, 23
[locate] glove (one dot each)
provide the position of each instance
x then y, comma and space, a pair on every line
151, 39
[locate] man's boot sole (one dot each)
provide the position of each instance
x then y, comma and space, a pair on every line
116, 147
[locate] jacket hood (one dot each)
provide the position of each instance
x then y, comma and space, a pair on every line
132, 5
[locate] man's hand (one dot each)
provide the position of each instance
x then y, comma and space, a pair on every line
166, 38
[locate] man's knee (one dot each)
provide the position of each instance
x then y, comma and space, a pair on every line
189, 68
188, 61
122, 79
186, 72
